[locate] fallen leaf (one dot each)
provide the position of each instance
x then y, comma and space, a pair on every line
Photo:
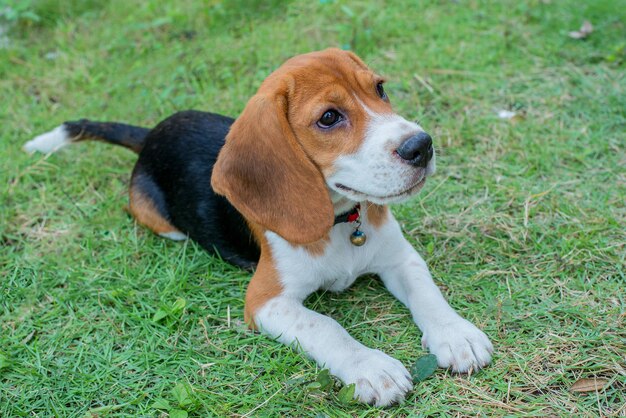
178, 305
178, 413
584, 31
510, 116
324, 379
424, 367
588, 385
29, 337
346, 393
506, 114
161, 403
183, 394
314, 386
160, 314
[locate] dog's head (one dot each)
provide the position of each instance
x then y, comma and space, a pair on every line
321, 122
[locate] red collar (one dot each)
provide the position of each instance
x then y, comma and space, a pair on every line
350, 216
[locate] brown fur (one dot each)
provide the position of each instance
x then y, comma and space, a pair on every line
275, 158
264, 173
265, 282
377, 214
144, 211
263, 286
331, 79
317, 248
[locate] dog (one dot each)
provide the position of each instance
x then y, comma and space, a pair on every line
297, 189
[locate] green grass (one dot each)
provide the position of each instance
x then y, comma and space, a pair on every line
523, 225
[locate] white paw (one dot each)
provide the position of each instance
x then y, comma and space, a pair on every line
379, 379
458, 345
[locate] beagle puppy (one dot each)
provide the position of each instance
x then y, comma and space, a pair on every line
297, 189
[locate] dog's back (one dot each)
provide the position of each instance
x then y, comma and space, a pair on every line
170, 190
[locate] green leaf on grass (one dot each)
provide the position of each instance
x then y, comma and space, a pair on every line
178, 305
346, 393
314, 386
325, 380
508, 306
183, 394
424, 367
178, 413
160, 314
161, 403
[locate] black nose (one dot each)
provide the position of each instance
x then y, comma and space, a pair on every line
417, 150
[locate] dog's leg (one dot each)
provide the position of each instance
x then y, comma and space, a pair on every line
147, 206
378, 378
274, 306
456, 342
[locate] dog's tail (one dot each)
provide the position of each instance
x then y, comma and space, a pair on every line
132, 137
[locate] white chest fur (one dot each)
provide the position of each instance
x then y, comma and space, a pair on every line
303, 272
379, 378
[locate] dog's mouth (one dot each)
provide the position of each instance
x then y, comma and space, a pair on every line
386, 198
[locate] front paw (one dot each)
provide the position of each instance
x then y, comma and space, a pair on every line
458, 345
379, 379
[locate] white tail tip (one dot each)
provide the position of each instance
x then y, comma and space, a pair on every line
48, 142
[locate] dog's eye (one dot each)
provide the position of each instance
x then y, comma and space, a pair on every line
381, 91
329, 118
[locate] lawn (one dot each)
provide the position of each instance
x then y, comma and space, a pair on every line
522, 226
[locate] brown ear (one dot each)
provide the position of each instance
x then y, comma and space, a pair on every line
263, 171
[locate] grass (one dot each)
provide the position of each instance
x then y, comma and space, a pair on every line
523, 226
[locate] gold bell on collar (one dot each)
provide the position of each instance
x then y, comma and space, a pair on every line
358, 238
